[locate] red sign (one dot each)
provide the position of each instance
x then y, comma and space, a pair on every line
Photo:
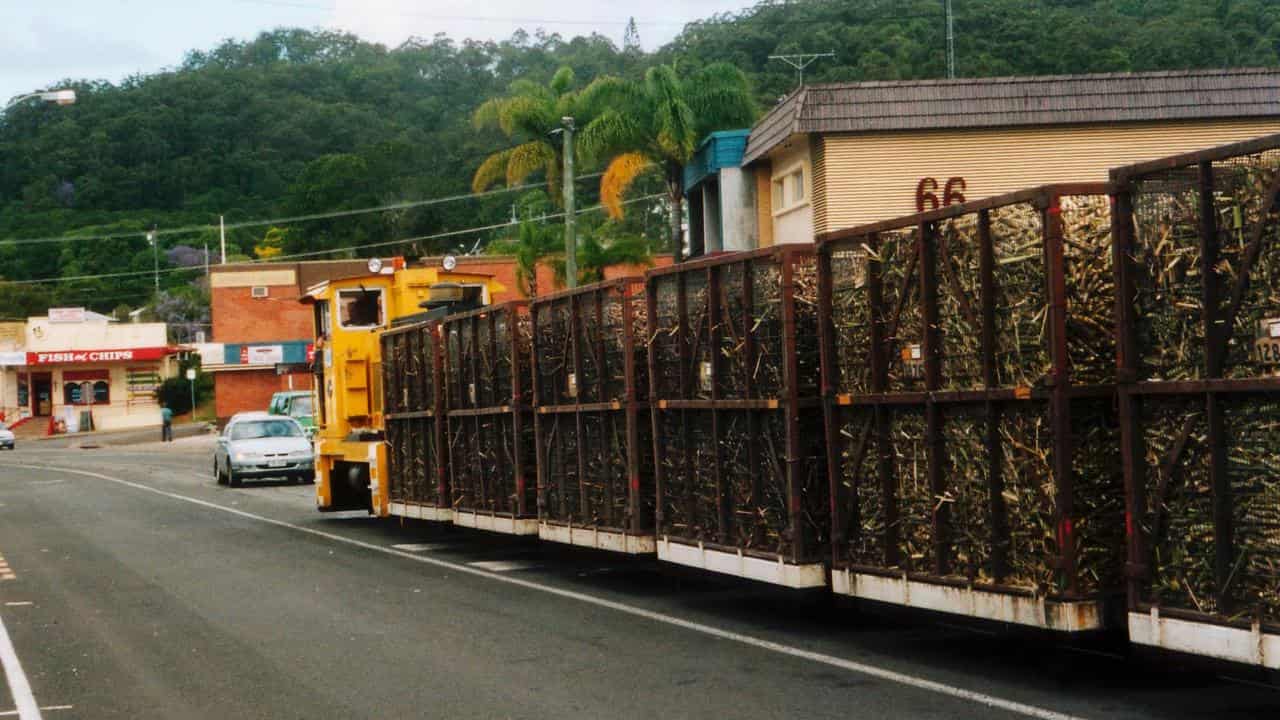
311, 353
96, 356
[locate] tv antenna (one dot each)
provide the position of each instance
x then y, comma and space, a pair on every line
800, 61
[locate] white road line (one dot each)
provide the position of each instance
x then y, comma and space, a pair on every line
18, 685
19, 603
11, 713
420, 547
502, 565
912, 681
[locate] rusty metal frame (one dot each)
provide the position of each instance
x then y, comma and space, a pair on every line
881, 403
681, 401
516, 406
1206, 394
629, 406
427, 397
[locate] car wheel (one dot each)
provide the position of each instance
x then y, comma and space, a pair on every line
306, 479
217, 472
232, 480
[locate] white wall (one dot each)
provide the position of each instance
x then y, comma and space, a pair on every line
737, 208
44, 336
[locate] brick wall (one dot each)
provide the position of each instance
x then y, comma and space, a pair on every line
619, 271
244, 390
238, 317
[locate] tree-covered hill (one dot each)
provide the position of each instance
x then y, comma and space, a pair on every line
297, 122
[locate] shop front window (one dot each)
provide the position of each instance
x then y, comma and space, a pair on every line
71, 394
24, 395
101, 393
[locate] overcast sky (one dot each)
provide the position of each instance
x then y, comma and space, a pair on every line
44, 42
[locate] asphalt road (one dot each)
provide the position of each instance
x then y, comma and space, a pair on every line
138, 588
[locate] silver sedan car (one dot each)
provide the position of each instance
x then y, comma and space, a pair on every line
258, 445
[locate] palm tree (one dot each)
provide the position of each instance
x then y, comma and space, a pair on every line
657, 124
534, 242
527, 114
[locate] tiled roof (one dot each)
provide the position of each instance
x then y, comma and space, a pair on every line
1012, 101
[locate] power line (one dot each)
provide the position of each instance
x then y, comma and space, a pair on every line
313, 253
283, 220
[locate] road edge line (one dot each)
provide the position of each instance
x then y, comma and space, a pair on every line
19, 688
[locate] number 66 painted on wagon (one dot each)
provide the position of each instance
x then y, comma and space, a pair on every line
927, 197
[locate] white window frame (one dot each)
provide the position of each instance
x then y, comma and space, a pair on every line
786, 202
336, 309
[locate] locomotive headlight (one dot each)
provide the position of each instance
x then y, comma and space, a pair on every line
375, 265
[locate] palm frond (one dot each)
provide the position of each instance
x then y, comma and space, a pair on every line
526, 159
608, 92
677, 130
720, 97
529, 116
562, 81
493, 169
622, 171
526, 88
661, 84
610, 132
489, 114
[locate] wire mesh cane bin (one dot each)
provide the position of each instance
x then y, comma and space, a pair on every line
733, 372
968, 385
413, 403
1199, 317
490, 428
590, 384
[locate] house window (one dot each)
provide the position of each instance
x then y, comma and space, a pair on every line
101, 393
789, 190
359, 309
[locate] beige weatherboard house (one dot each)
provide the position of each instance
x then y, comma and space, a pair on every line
835, 156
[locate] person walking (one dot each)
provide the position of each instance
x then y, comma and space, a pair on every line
166, 423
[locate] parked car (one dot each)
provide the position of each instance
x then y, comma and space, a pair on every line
298, 405
6, 437
260, 445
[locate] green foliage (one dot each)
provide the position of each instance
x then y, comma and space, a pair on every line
176, 391
534, 243
661, 120
300, 122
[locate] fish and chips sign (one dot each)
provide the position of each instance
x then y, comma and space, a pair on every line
73, 357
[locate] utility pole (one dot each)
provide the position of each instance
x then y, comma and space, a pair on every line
951, 41
222, 233
800, 61
206, 266
570, 214
155, 258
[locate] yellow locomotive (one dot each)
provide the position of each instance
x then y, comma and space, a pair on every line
350, 315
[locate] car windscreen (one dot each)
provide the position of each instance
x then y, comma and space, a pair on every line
301, 406
264, 429
3, 426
